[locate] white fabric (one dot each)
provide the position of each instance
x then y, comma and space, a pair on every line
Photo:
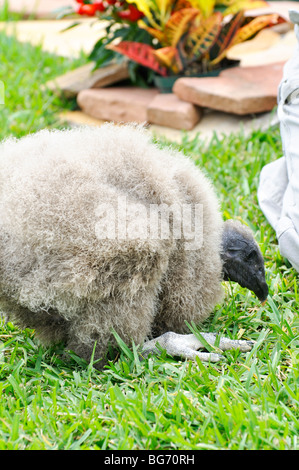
278, 191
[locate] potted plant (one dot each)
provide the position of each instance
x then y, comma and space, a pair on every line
171, 39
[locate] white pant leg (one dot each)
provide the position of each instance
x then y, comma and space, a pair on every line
278, 191
272, 187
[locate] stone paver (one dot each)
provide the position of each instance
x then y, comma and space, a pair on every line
168, 110
128, 104
275, 7
82, 78
51, 35
212, 122
240, 90
119, 104
221, 124
265, 48
38, 8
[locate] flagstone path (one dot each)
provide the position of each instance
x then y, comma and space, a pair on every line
38, 8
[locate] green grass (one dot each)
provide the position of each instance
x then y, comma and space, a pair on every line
249, 402
23, 70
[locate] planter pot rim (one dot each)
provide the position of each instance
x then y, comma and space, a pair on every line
165, 84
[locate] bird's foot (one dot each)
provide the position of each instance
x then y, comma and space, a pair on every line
187, 346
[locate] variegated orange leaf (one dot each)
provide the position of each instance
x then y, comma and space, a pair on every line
156, 33
255, 25
180, 4
177, 25
227, 36
143, 54
205, 6
164, 8
225, 2
202, 38
241, 5
169, 57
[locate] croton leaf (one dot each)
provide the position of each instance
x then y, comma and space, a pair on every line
244, 5
225, 2
254, 26
143, 54
156, 33
177, 25
205, 6
169, 56
201, 39
226, 37
164, 7
180, 4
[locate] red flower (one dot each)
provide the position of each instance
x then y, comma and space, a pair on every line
90, 9
99, 6
86, 9
132, 14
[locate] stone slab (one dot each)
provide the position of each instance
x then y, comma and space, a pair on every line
265, 48
118, 104
282, 8
241, 90
52, 36
263, 40
71, 83
79, 118
213, 122
37, 8
166, 109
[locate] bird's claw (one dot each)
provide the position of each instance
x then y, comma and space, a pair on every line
187, 346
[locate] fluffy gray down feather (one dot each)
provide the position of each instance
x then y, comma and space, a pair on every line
60, 278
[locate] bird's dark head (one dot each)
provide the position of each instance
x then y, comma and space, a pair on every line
242, 259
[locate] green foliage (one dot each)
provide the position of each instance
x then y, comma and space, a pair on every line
181, 37
184, 37
249, 402
103, 56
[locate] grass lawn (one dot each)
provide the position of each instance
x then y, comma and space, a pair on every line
248, 402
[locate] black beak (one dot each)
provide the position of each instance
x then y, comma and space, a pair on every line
262, 292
